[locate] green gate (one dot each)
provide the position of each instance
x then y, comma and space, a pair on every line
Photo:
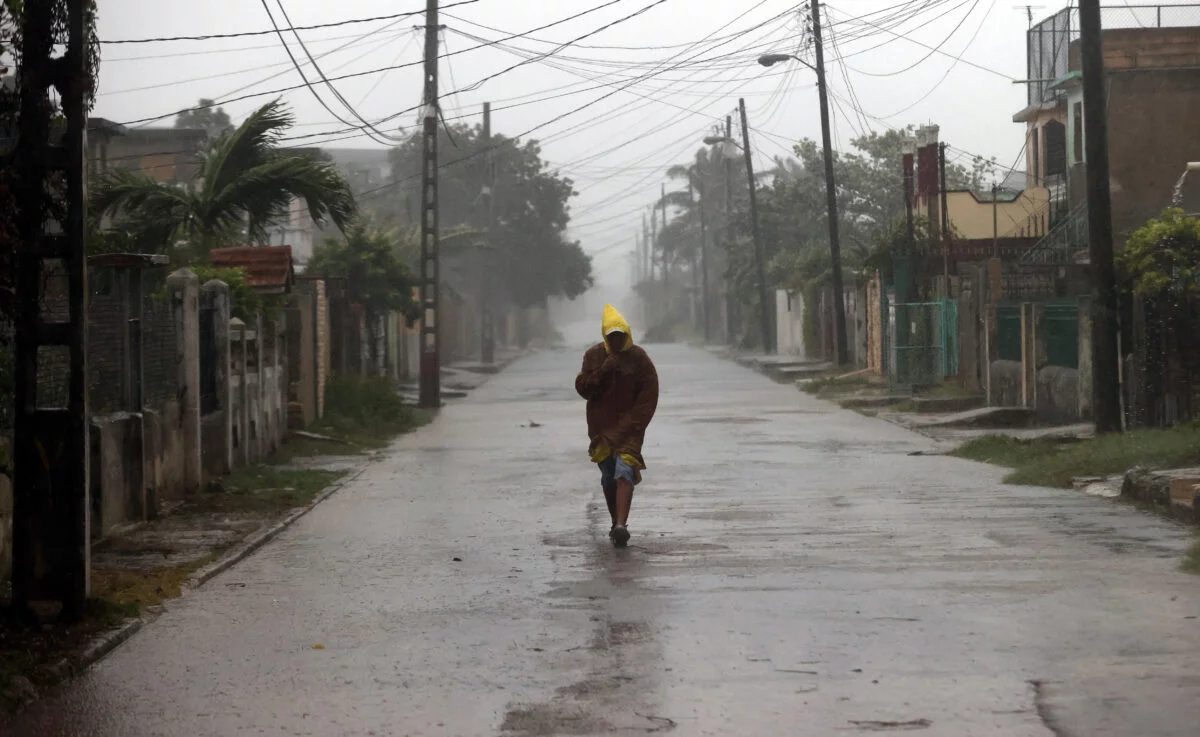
923, 342
1061, 325
1008, 332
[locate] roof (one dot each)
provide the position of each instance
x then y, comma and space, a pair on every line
268, 268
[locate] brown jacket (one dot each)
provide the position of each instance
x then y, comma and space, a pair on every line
622, 393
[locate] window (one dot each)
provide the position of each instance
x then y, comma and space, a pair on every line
1056, 148
1077, 132
1035, 145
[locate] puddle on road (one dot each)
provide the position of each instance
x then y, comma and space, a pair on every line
726, 420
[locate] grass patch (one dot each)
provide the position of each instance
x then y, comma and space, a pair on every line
257, 489
1056, 461
364, 411
825, 386
1191, 561
129, 591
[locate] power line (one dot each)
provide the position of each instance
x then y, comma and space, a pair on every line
932, 50
222, 75
299, 69
949, 69
245, 34
370, 71
476, 85
317, 68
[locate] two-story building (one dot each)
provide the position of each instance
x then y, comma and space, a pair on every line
1152, 77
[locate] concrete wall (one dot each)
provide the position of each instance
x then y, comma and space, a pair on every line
789, 323
972, 218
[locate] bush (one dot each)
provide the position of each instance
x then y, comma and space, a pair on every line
369, 405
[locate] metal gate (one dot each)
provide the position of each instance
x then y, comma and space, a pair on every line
923, 345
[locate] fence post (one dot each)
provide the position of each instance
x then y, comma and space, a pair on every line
259, 425
991, 336
1033, 351
185, 304
218, 291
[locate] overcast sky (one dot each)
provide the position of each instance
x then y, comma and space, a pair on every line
618, 148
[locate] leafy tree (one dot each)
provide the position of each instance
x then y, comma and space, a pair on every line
1162, 258
246, 181
533, 259
213, 120
376, 275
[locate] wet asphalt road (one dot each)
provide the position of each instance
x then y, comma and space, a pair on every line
793, 572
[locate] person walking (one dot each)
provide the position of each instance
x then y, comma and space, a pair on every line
620, 384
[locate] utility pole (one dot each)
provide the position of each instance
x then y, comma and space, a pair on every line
648, 242
995, 221
51, 536
730, 300
666, 262
704, 296
488, 335
430, 385
945, 208
1106, 388
904, 291
835, 248
763, 314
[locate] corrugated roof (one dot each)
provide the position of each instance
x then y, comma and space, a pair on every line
268, 268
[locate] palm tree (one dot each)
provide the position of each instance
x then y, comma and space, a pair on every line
246, 181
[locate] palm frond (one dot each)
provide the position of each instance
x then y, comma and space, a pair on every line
251, 144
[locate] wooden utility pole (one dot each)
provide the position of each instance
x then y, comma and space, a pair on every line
430, 384
1106, 388
835, 248
488, 333
51, 541
764, 315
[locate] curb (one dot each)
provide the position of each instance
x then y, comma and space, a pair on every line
244, 549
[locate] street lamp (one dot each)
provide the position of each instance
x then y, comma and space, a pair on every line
835, 249
770, 60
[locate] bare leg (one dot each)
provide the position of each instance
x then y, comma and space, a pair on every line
610, 497
624, 501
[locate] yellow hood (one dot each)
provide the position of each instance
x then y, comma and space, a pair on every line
614, 320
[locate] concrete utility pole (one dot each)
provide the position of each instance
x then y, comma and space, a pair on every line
763, 314
704, 288
730, 299
488, 334
835, 248
666, 262
430, 383
945, 207
51, 541
1106, 388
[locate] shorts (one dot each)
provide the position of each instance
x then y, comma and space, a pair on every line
616, 469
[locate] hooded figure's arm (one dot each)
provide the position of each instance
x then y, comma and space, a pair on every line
591, 379
647, 396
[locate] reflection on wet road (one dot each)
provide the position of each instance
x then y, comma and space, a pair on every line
793, 571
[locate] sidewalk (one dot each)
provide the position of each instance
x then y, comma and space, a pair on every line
137, 571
